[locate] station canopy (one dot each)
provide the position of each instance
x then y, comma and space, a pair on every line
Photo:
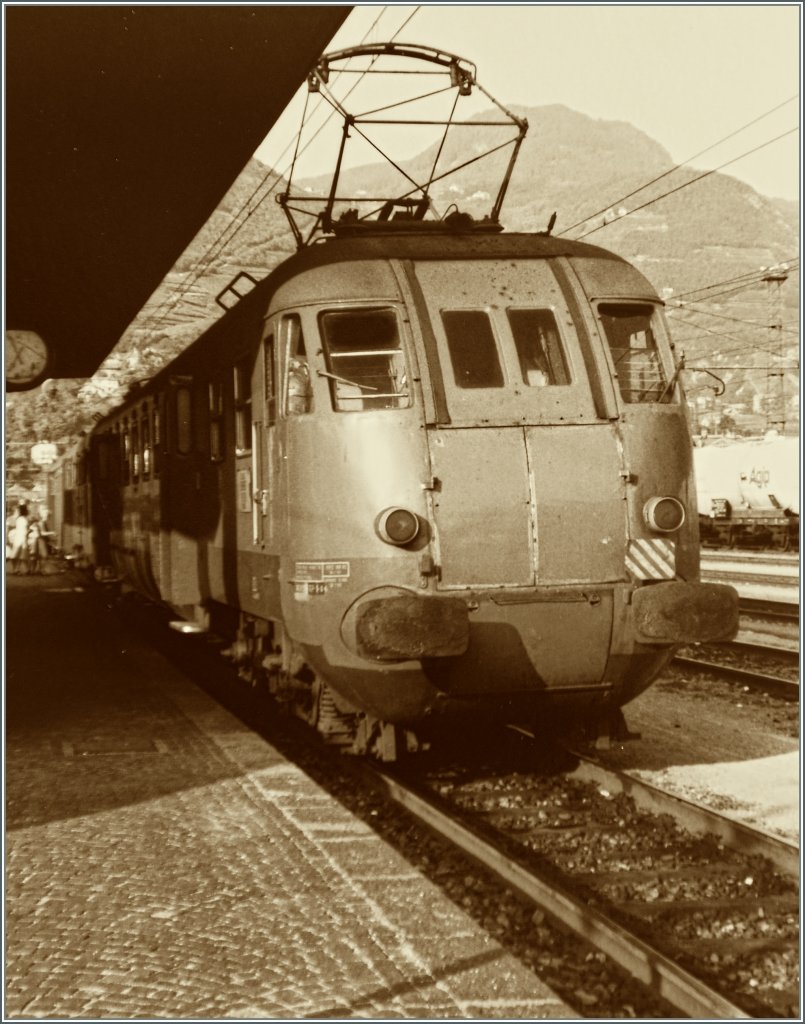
124, 128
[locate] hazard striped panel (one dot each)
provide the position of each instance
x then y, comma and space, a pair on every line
653, 559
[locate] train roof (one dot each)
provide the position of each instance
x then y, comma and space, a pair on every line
438, 245
369, 245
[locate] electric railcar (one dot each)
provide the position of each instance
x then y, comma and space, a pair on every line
421, 473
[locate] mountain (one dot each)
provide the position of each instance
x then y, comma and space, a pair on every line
580, 167
704, 231
715, 230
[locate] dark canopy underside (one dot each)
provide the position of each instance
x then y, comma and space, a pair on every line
124, 128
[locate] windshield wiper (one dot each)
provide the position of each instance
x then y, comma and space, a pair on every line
669, 387
343, 380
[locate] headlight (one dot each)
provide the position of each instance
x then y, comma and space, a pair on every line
664, 514
397, 526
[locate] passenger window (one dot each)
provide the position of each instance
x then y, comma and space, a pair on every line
628, 331
472, 347
135, 449
365, 361
243, 408
145, 435
184, 421
539, 347
103, 456
157, 436
298, 391
125, 450
216, 402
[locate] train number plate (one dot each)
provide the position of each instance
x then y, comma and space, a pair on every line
314, 578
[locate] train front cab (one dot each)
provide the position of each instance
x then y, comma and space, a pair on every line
525, 413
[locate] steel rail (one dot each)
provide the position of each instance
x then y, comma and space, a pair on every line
759, 591
656, 971
692, 816
751, 577
747, 557
788, 689
788, 610
747, 646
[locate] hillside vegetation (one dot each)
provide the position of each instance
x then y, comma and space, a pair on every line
713, 231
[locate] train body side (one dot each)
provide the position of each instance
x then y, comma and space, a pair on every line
518, 405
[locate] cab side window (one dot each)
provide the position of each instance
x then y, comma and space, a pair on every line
270, 379
298, 390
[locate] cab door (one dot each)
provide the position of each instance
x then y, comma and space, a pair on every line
527, 486
262, 381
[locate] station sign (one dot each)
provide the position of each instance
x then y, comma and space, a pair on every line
44, 453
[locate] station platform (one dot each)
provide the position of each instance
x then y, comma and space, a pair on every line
164, 861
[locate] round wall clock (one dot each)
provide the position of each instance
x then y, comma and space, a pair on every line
27, 358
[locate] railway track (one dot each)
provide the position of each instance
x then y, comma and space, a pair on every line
472, 809
771, 614
775, 650
750, 558
702, 910
786, 610
746, 661
788, 689
763, 578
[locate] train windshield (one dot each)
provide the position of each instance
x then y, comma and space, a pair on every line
635, 354
472, 348
365, 360
539, 348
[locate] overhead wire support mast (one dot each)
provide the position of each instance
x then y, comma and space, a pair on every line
774, 280
413, 205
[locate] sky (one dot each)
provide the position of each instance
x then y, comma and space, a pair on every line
686, 75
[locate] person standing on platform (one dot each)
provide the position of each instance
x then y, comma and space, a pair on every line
37, 552
19, 541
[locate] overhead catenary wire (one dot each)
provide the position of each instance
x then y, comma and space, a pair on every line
678, 166
295, 141
720, 366
744, 347
228, 234
217, 246
688, 307
686, 184
735, 290
239, 221
739, 277
706, 330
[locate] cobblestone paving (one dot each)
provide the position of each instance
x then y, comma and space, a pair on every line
164, 861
